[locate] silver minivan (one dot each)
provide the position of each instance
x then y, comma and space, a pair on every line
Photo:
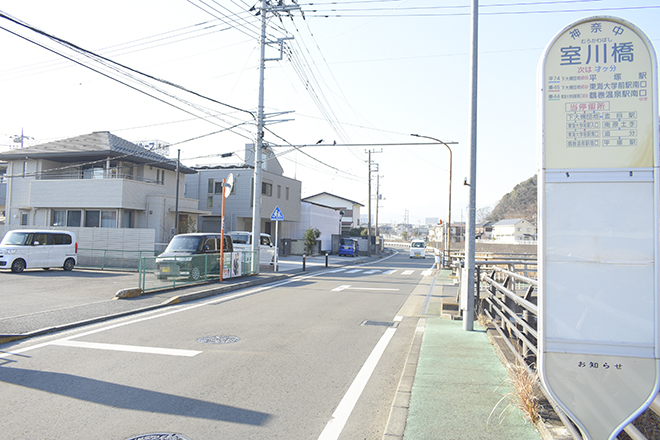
22, 249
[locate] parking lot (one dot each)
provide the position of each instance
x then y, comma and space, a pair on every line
38, 299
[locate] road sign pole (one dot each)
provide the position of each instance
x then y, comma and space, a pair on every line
277, 242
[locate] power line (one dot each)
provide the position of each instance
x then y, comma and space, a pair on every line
320, 14
116, 67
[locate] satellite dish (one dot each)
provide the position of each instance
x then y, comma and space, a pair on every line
229, 183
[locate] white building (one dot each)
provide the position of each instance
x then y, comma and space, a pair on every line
513, 230
351, 210
96, 180
277, 190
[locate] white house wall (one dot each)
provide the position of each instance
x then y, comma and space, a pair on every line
238, 206
133, 239
324, 219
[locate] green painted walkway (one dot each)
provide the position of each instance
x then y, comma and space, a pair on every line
458, 382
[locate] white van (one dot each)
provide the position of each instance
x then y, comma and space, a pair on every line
242, 241
22, 249
418, 249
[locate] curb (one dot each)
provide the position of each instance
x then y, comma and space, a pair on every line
396, 422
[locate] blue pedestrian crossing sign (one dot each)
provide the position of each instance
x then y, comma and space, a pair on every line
277, 215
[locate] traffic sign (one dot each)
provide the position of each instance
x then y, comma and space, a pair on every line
277, 215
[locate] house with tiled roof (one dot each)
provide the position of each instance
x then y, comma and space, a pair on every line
96, 180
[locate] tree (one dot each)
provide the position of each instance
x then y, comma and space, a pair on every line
482, 214
310, 237
357, 232
519, 203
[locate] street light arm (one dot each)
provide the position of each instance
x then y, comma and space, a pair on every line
449, 197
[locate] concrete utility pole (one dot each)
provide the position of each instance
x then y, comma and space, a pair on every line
468, 313
369, 203
377, 197
258, 146
369, 216
176, 202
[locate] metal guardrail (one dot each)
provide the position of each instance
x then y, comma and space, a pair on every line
508, 297
111, 259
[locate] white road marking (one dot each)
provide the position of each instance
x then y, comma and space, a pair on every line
336, 424
372, 271
348, 286
389, 272
128, 348
407, 272
354, 270
337, 270
427, 272
155, 315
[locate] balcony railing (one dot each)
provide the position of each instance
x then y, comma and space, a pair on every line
96, 175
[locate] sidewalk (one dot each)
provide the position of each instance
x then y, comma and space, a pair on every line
455, 385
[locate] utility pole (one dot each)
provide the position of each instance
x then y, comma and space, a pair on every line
369, 217
369, 203
176, 202
256, 193
258, 146
377, 197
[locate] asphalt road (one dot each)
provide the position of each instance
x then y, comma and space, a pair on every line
296, 362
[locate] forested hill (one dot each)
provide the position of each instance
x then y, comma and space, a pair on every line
519, 203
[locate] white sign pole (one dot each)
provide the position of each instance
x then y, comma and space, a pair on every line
277, 217
599, 223
277, 243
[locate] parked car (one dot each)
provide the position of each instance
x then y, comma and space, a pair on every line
418, 249
349, 246
242, 241
192, 256
22, 249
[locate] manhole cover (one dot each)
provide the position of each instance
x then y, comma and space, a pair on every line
158, 437
381, 323
222, 339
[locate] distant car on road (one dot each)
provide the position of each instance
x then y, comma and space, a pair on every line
22, 249
349, 246
192, 255
418, 249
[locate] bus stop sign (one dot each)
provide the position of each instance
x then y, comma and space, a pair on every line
598, 223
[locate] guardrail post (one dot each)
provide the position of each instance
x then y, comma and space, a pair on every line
530, 319
326, 259
304, 258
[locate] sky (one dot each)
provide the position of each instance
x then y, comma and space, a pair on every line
363, 74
